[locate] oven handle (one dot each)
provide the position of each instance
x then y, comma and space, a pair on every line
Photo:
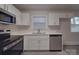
10, 45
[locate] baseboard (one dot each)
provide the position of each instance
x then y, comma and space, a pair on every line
55, 50
36, 50
42, 50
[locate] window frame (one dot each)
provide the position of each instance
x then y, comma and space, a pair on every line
74, 24
74, 21
37, 16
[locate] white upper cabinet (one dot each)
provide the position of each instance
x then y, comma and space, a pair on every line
36, 42
53, 19
18, 16
8, 7
11, 8
25, 18
2, 6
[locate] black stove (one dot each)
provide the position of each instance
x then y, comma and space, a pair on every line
7, 40
8, 44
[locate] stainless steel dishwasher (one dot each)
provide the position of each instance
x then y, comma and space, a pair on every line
55, 42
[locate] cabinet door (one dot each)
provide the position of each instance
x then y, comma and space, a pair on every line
44, 44
33, 44
18, 17
53, 19
2, 6
25, 19
55, 43
11, 9
8, 7
25, 43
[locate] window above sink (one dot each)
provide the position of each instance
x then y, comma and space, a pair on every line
39, 22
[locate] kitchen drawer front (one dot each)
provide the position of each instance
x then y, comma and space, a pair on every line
33, 44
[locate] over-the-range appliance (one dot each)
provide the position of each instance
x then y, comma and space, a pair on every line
9, 46
6, 17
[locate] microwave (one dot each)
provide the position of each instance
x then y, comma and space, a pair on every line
7, 18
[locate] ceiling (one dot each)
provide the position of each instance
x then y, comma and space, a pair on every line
24, 7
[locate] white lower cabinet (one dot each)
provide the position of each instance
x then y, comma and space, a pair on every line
44, 44
33, 44
36, 43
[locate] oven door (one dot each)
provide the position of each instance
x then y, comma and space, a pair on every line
16, 48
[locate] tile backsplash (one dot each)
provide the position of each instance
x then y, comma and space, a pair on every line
2, 27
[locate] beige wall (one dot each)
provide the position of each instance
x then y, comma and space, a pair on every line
69, 38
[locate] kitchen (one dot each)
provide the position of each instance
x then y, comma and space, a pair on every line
43, 29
